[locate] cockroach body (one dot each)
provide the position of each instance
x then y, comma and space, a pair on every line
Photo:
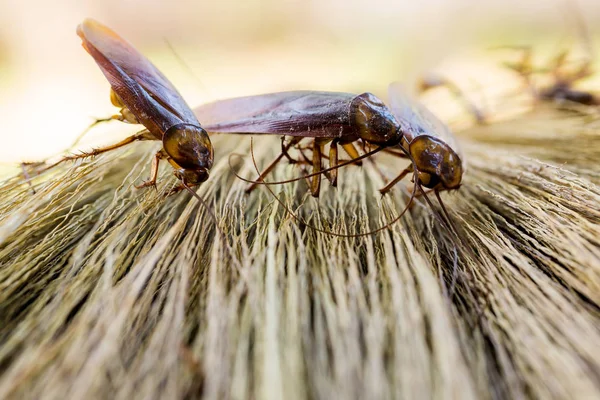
343, 119
145, 96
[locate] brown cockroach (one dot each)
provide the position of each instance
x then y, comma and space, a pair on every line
406, 129
145, 96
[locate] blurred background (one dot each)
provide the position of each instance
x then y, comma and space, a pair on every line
51, 89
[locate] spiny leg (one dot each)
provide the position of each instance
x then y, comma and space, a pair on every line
571, 77
524, 67
154, 171
144, 135
304, 156
315, 184
274, 163
558, 64
397, 179
74, 144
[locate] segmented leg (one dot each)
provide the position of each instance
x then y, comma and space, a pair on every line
352, 152
154, 171
397, 179
144, 135
179, 188
274, 163
284, 148
315, 184
524, 67
333, 162
390, 151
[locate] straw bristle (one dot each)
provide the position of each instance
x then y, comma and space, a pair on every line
111, 292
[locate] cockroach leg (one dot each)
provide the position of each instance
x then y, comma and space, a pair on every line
351, 150
144, 135
267, 171
178, 189
154, 172
397, 179
285, 148
303, 154
315, 184
333, 162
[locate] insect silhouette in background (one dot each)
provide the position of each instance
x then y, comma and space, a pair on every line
146, 97
406, 130
564, 73
564, 78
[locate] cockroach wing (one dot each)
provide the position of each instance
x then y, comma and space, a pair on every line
139, 84
415, 119
298, 113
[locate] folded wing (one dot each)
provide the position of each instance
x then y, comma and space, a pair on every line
297, 113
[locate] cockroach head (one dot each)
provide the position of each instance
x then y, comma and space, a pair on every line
190, 148
436, 162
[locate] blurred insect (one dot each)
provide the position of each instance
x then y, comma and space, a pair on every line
563, 78
406, 130
146, 97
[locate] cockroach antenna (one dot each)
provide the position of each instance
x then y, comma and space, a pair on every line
312, 227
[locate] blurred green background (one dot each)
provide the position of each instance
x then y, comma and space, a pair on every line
50, 89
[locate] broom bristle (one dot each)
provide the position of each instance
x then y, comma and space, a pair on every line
111, 292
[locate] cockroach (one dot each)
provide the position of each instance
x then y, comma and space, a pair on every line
563, 80
406, 129
145, 96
